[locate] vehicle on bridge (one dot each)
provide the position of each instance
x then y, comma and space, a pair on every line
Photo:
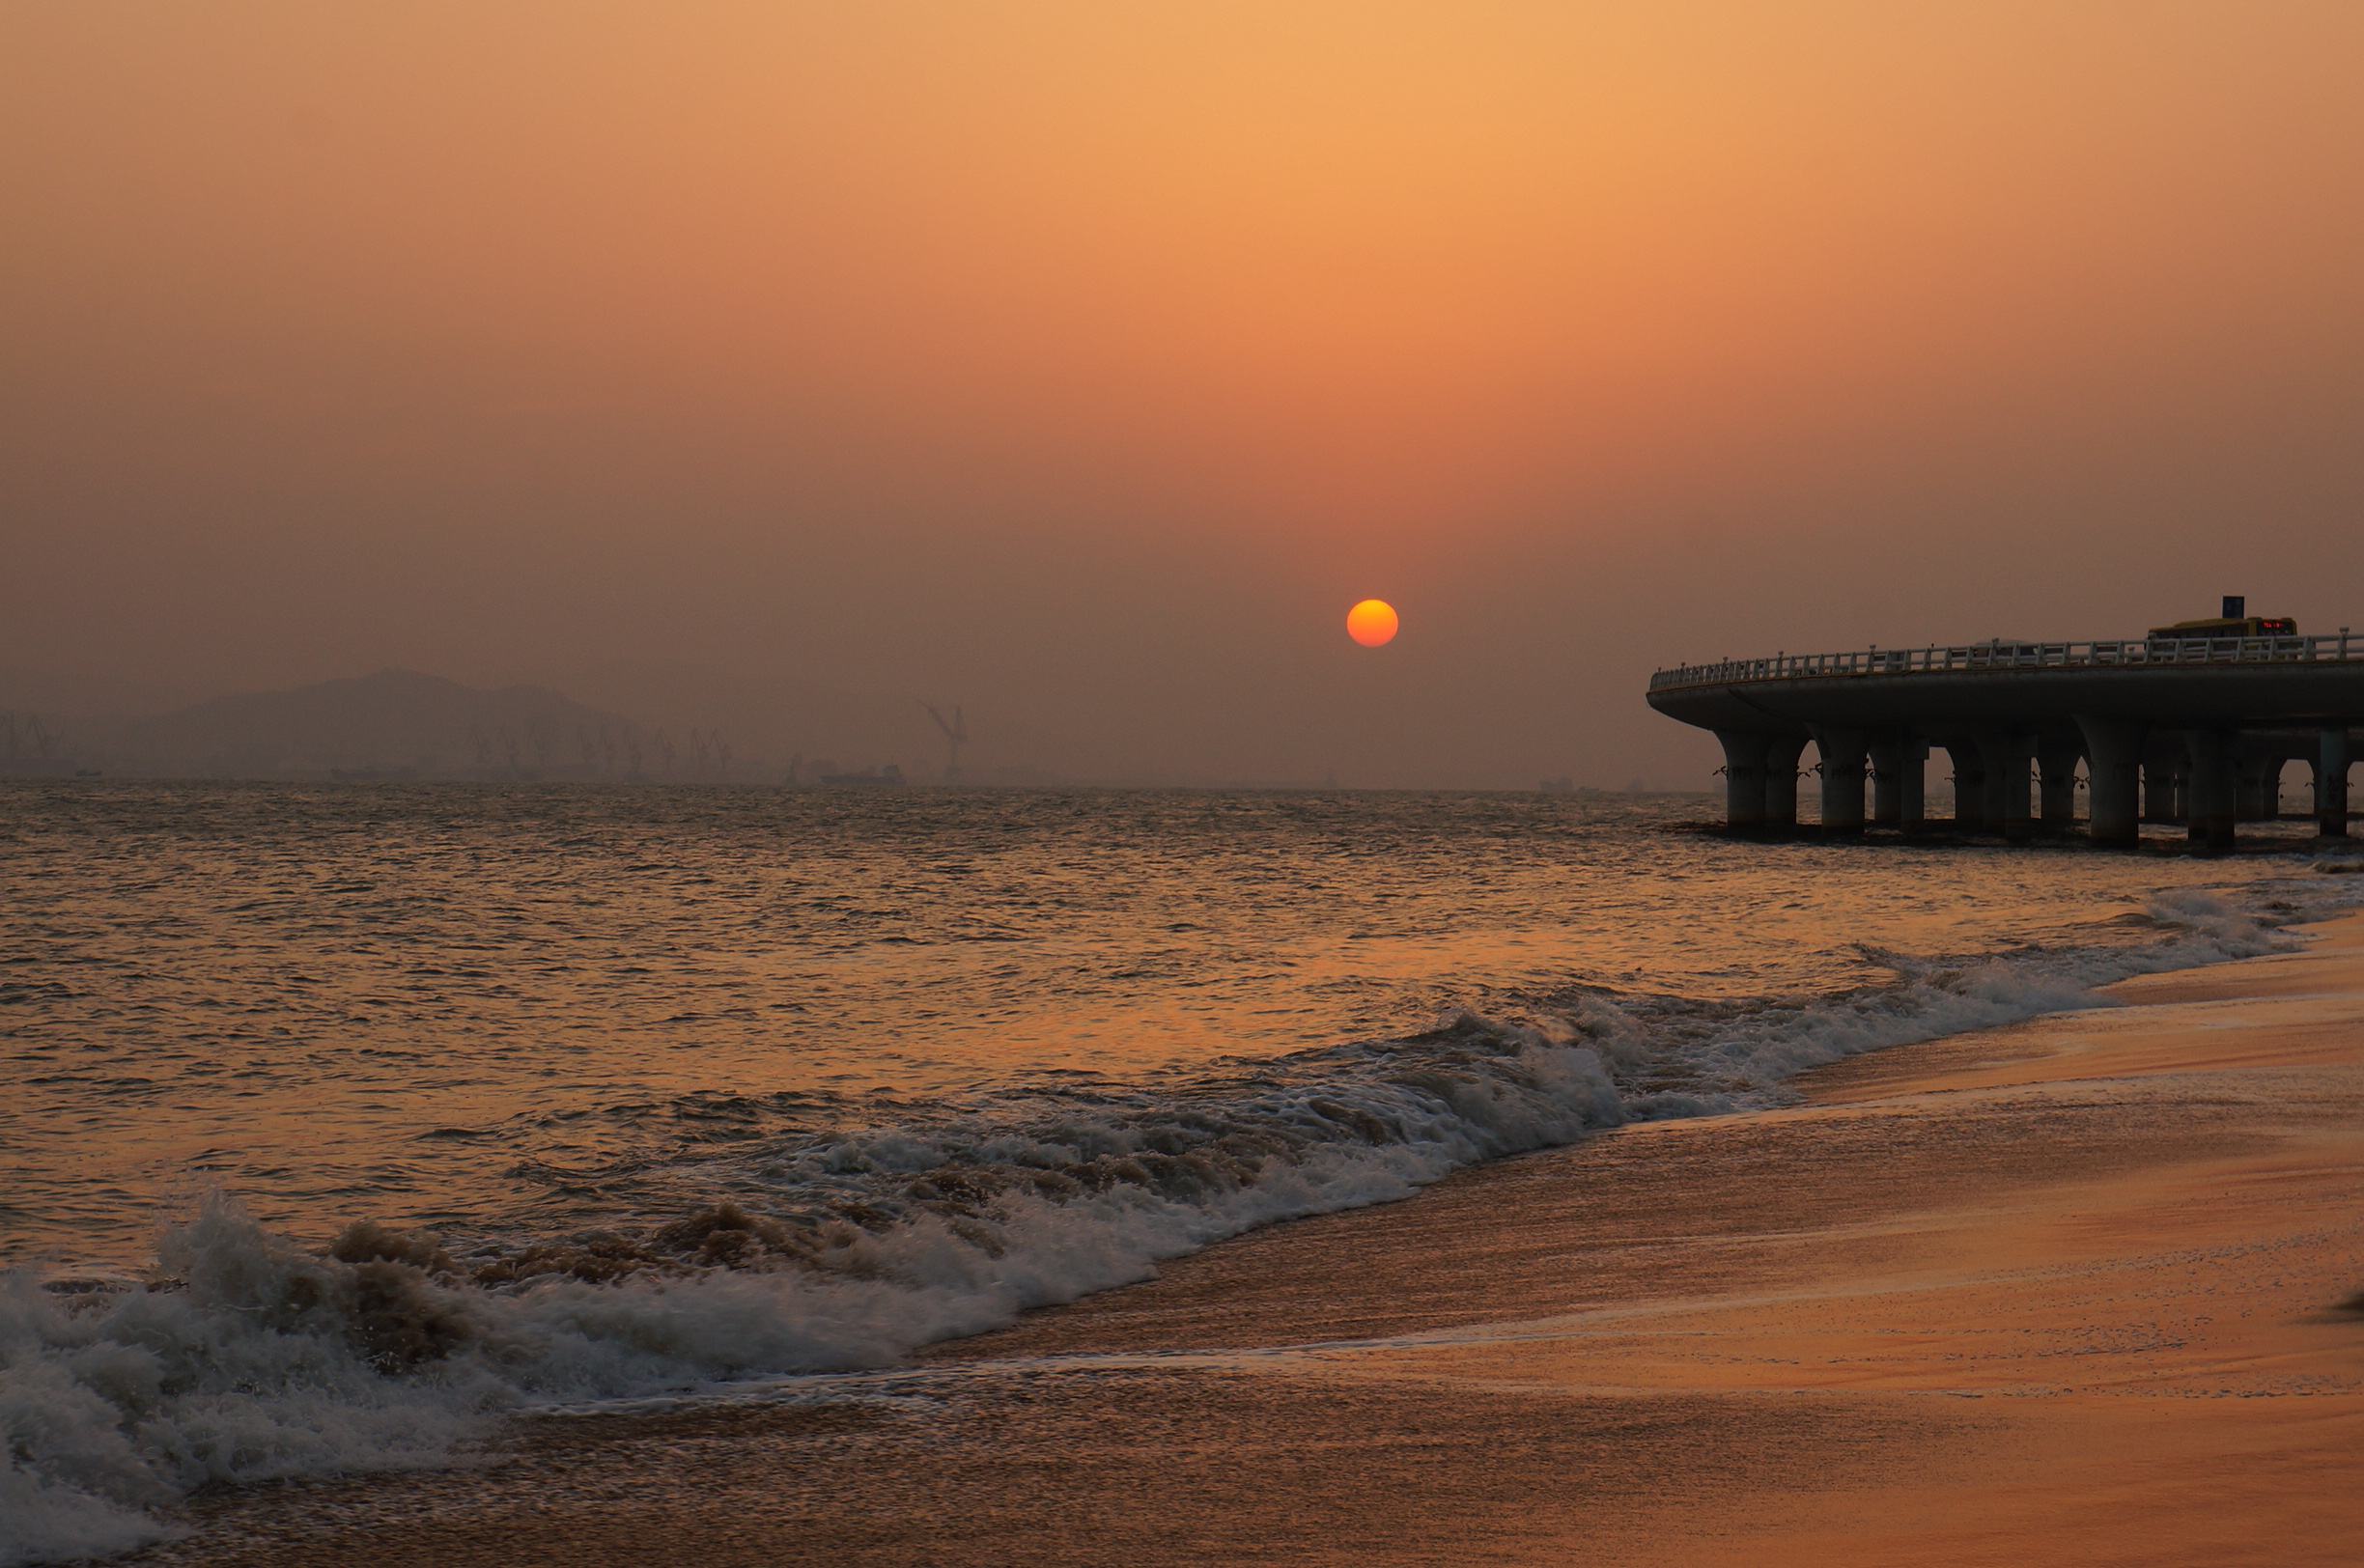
2234, 621
2217, 626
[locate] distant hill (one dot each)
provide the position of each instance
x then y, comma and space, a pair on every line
402, 725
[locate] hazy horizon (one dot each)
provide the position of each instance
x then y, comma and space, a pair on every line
1081, 364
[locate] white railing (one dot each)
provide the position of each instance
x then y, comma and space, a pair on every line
2022, 656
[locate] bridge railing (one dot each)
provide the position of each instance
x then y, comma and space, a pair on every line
2344, 647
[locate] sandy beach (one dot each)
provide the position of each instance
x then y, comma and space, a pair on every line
2081, 1290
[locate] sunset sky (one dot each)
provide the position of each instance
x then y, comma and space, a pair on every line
1083, 362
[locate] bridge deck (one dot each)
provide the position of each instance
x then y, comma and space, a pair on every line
2198, 728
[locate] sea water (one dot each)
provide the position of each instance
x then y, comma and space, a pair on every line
337, 1123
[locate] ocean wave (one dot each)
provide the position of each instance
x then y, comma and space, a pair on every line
816, 1247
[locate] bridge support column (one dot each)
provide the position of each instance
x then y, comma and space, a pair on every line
2057, 767
1744, 779
2211, 810
1781, 771
1897, 758
1969, 785
2113, 760
2331, 782
1912, 780
2260, 792
1887, 752
2005, 753
2160, 789
1842, 779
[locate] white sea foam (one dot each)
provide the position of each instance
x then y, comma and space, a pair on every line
254, 1357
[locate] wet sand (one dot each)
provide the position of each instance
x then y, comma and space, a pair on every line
2068, 1291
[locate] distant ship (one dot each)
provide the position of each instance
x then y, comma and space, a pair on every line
891, 775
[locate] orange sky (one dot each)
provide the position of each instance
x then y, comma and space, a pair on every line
504, 338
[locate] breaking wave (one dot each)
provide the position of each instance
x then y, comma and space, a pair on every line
812, 1248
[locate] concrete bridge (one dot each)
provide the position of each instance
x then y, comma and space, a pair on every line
2191, 731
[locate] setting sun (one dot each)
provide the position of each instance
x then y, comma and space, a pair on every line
1371, 623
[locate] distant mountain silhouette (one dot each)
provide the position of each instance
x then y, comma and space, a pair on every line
395, 723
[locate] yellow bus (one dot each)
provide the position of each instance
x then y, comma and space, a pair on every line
2234, 621
2249, 626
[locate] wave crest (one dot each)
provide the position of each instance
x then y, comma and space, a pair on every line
818, 1248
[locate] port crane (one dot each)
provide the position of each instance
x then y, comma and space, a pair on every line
955, 732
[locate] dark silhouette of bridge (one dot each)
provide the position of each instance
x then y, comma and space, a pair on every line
2190, 730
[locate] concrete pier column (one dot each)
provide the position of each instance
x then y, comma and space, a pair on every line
1912, 777
1842, 779
2331, 782
1887, 753
1781, 771
2006, 753
2158, 790
2056, 766
1969, 785
2113, 760
1744, 779
2208, 821
2257, 793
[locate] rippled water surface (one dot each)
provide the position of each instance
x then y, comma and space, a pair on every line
338, 1125
508, 1012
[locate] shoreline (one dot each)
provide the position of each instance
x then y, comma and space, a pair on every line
1973, 1279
